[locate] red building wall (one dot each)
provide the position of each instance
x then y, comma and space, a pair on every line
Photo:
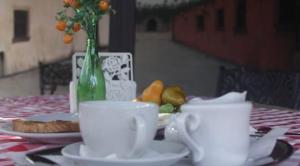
260, 46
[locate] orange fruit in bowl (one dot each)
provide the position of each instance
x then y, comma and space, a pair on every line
153, 92
76, 27
61, 25
103, 5
68, 38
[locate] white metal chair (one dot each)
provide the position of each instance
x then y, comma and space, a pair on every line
118, 73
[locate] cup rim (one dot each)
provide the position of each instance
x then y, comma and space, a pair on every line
218, 105
115, 104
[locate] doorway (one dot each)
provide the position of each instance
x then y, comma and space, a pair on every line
298, 27
151, 25
1, 64
296, 51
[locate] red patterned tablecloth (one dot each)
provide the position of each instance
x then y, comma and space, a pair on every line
27, 106
18, 107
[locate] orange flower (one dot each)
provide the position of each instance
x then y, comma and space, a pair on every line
76, 27
68, 38
103, 5
72, 3
68, 2
61, 25
75, 4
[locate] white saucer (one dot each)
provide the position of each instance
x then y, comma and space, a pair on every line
167, 153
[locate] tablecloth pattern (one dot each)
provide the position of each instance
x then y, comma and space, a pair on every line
18, 107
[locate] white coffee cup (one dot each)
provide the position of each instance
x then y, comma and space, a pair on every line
121, 129
216, 134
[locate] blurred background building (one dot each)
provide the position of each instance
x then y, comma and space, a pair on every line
182, 42
259, 34
156, 15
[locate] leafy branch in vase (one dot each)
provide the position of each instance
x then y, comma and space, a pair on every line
78, 14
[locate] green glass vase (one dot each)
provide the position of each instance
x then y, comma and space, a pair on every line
91, 83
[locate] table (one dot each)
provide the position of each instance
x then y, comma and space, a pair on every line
18, 107
27, 106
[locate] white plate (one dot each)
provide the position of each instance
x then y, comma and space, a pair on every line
62, 138
54, 116
163, 120
6, 128
166, 154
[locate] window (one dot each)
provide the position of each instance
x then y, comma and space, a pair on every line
241, 19
1, 64
298, 39
200, 23
220, 23
286, 15
21, 25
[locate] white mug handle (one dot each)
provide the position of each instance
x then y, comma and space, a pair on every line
190, 122
141, 136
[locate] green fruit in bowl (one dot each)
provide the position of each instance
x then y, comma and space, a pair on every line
173, 95
166, 108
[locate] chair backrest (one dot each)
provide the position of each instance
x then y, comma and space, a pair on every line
116, 66
229, 80
118, 73
266, 87
54, 74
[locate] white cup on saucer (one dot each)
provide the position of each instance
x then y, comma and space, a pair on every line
116, 128
216, 134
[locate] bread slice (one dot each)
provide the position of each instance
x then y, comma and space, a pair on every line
58, 126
